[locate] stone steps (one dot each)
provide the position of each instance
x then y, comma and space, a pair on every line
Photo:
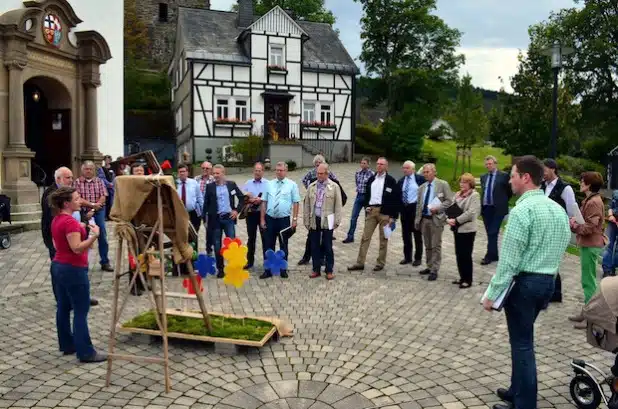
28, 216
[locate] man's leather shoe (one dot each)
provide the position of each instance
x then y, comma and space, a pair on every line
356, 267
107, 267
220, 274
97, 357
485, 262
424, 272
581, 325
94, 301
265, 274
417, 263
284, 273
504, 395
404, 262
348, 240
247, 266
303, 261
330, 276
432, 277
378, 268
69, 352
503, 406
556, 298
315, 275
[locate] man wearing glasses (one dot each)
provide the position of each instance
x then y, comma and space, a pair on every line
204, 179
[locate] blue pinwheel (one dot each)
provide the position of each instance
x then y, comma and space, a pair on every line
205, 265
275, 261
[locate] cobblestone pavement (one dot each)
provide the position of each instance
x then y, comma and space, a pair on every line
365, 340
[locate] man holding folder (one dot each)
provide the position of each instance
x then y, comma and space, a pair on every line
535, 239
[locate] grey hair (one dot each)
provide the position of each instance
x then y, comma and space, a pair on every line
410, 163
318, 158
59, 171
366, 159
219, 166
88, 164
491, 157
324, 164
285, 165
431, 166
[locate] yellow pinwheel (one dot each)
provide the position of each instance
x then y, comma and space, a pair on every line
236, 255
235, 275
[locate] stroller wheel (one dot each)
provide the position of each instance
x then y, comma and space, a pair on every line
5, 242
585, 392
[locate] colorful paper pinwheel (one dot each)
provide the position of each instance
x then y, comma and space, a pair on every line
236, 255
186, 283
235, 275
227, 242
205, 265
275, 261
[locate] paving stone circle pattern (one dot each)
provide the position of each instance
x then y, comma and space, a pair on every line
388, 340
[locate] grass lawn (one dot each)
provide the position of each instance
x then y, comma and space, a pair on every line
446, 152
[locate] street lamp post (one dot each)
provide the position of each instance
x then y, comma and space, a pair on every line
556, 52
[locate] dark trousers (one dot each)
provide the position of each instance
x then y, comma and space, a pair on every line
195, 221
356, 209
529, 296
72, 290
408, 230
492, 220
322, 247
308, 249
464, 245
109, 203
253, 226
217, 227
273, 227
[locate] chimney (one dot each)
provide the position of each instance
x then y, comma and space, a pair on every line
290, 13
245, 13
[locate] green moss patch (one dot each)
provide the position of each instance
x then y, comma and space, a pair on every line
247, 329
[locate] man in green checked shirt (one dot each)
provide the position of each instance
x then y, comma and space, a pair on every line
536, 236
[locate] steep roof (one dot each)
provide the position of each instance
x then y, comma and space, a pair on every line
212, 35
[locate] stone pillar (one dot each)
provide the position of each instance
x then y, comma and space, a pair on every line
17, 182
91, 137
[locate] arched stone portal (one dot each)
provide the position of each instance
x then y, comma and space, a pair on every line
47, 116
40, 55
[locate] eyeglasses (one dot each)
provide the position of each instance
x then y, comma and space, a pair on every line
206, 168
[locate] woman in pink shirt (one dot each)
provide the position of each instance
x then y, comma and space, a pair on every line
70, 275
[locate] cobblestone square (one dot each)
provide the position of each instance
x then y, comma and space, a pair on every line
364, 340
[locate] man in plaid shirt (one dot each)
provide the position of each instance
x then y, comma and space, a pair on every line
361, 177
536, 237
94, 194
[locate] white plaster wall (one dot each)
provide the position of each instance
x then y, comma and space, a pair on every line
339, 81
310, 79
327, 80
258, 45
106, 17
294, 73
242, 74
222, 72
293, 49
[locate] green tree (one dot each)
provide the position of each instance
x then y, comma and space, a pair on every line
467, 116
522, 122
405, 35
135, 33
311, 10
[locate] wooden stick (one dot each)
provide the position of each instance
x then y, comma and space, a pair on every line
115, 315
166, 364
200, 299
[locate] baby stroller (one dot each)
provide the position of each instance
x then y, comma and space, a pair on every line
5, 216
589, 383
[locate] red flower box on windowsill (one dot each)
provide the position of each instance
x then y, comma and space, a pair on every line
235, 121
318, 125
277, 69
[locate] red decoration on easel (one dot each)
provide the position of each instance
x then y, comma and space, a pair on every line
186, 283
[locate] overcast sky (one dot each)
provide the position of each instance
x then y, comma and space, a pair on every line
493, 31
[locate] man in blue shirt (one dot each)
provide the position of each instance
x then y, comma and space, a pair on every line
190, 194
254, 191
408, 186
610, 255
223, 201
281, 200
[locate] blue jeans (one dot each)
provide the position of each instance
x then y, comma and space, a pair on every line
610, 254
223, 225
530, 294
358, 206
72, 291
322, 247
99, 219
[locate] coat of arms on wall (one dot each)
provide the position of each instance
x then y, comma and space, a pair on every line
52, 29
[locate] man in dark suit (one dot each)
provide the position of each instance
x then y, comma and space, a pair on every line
408, 186
382, 203
221, 211
495, 205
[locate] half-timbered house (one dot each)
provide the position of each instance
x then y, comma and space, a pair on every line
287, 80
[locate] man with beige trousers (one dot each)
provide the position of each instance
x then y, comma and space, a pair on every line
434, 197
321, 216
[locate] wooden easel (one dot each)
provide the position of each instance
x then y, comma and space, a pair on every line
157, 297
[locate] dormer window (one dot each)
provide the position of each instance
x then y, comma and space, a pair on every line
276, 55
